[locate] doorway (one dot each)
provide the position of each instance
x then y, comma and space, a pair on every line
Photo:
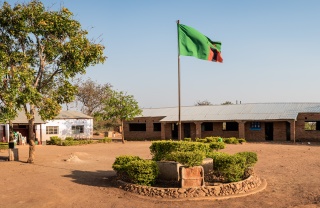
174, 131
186, 130
269, 131
288, 131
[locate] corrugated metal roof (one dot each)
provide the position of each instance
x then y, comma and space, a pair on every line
247, 111
72, 115
22, 119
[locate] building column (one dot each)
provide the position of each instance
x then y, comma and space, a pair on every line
293, 130
242, 129
198, 129
7, 132
163, 130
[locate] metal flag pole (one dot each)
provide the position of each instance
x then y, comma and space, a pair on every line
179, 97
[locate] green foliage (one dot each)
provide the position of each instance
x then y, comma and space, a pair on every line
143, 172
189, 159
69, 143
121, 162
231, 167
231, 140
105, 140
211, 139
251, 158
55, 140
187, 139
41, 50
119, 106
201, 140
69, 138
241, 140
160, 149
217, 145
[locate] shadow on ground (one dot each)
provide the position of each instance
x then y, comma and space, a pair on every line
98, 178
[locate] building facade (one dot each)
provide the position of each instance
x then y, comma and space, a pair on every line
253, 122
66, 124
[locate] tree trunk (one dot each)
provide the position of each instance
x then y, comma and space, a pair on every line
11, 137
122, 133
32, 146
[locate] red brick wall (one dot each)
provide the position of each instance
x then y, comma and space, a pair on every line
304, 135
141, 135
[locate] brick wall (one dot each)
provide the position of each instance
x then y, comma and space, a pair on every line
305, 135
141, 135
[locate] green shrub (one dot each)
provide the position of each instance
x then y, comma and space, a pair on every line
211, 139
55, 140
143, 172
215, 155
159, 149
251, 158
189, 159
231, 140
230, 167
241, 140
187, 139
69, 143
105, 140
217, 145
201, 140
69, 138
121, 162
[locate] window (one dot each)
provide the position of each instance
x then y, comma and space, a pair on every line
230, 126
52, 129
312, 125
156, 126
255, 125
207, 126
77, 129
137, 127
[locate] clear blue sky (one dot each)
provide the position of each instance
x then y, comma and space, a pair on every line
271, 49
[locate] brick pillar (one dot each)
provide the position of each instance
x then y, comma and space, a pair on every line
198, 129
242, 129
293, 130
163, 130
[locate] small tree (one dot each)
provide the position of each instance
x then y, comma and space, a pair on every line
227, 103
204, 102
120, 106
91, 95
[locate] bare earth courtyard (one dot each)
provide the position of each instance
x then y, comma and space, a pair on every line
79, 176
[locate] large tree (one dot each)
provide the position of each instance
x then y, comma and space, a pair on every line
45, 49
120, 106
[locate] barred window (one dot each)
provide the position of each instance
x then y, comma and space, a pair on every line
255, 125
52, 129
77, 129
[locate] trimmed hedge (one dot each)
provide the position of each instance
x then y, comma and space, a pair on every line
121, 162
232, 167
251, 158
160, 149
217, 145
143, 172
189, 159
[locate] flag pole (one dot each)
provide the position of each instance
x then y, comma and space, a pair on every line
179, 96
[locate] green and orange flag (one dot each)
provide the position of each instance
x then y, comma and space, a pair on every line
194, 43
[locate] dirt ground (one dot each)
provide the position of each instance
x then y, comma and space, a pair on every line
79, 176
